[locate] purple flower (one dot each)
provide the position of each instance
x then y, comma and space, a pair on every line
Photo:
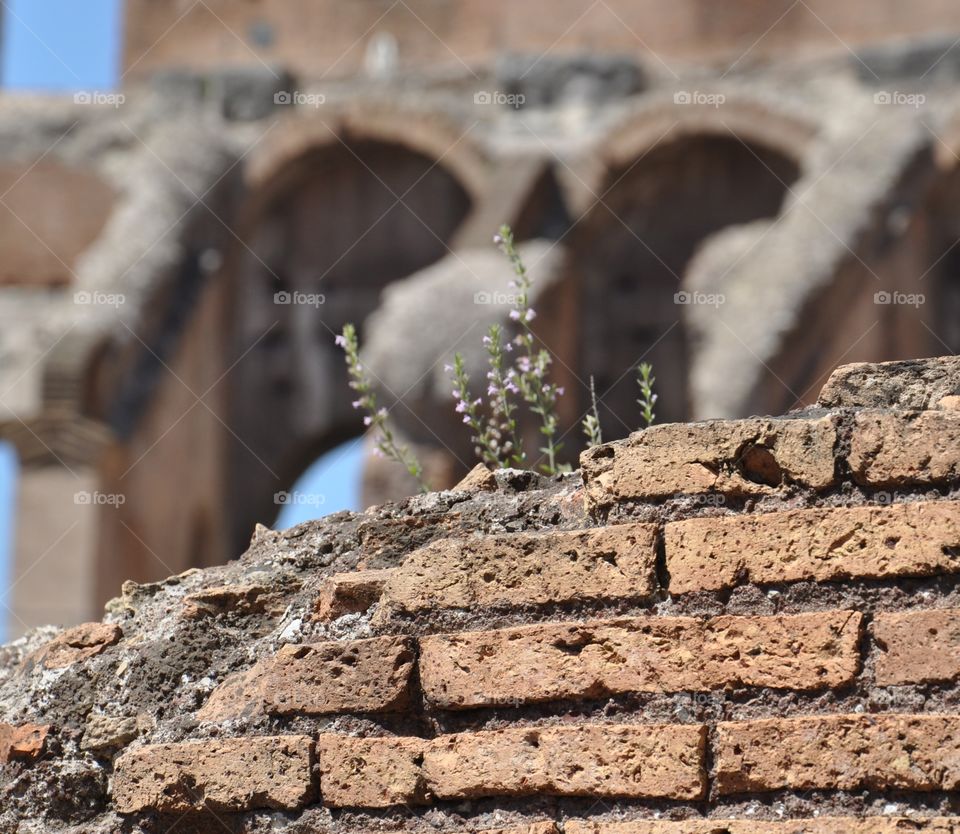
341, 341
531, 314
497, 240
461, 407
491, 390
368, 420
560, 390
515, 315
356, 404
508, 347
487, 340
378, 452
448, 368
466, 419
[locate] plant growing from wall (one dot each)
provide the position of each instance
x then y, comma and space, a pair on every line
376, 417
517, 377
646, 380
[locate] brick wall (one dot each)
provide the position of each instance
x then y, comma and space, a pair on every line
743, 626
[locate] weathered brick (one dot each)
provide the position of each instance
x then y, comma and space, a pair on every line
917, 646
349, 593
814, 825
527, 568
238, 600
596, 760
642, 654
915, 539
319, 678
22, 741
749, 457
236, 774
839, 752
371, 772
75, 644
891, 449
910, 383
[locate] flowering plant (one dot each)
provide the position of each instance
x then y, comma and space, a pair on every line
518, 373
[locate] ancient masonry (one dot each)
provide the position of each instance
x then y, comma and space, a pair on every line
723, 627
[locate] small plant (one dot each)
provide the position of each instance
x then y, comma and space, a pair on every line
533, 362
518, 373
591, 422
646, 380
376, 418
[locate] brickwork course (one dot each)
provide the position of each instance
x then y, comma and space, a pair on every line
728, 627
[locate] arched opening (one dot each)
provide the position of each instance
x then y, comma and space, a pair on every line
632, 251
9, 470
939, 282
328, 485
324, 237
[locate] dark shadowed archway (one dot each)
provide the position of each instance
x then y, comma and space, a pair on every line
327, 233
632, 250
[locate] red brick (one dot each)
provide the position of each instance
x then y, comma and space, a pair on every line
815, 825
749, 457
595, 760
318, 679
238, 600
891, 449
371, 772
22, 741
876, 542
839, 752
527, 569
78, 643
557, 661
349, 593
917, 646
237, 774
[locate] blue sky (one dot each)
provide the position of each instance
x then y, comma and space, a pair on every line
61, 45
69, 45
